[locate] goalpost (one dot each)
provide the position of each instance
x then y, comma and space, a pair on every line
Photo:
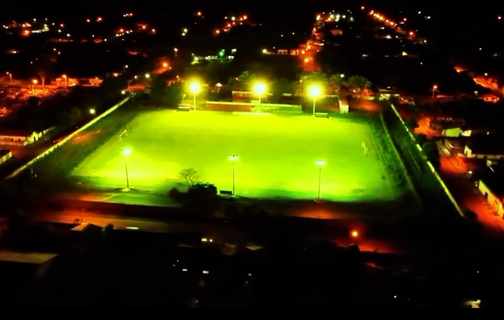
364, 148
123, 134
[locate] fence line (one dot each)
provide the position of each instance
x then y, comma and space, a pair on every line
403, 167
68, 138
429, 164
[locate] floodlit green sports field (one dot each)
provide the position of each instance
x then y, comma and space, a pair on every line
276, 156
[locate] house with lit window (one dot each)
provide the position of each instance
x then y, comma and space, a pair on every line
19, 137
491, 186
489, 147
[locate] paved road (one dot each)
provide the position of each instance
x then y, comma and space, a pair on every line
120, 223
482, 81
454, 173
217, 233
102, 221
21, 156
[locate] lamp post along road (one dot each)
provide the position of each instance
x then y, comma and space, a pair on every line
320, 164
233, 158
126, 153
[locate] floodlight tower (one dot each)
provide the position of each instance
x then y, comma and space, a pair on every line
126, 152
260, 89
320, 164
233, 158
314, 91
195, 87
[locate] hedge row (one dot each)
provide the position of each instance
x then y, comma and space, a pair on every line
386, 153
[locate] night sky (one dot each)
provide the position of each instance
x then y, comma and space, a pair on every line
286, 12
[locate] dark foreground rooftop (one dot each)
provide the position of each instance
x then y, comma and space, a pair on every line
131, 269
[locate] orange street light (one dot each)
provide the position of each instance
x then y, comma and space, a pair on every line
35, 81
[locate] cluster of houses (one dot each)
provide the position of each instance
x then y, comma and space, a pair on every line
10, 139
480, 143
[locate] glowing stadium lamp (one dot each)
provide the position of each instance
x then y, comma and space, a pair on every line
92, 111
320, 164
233, 158
195, 87
260, 89
314, 91
126, 152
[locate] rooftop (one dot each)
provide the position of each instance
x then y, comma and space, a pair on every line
487, 145
26, 257
493, 177
15, 133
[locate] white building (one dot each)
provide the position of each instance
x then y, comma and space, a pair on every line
19, 137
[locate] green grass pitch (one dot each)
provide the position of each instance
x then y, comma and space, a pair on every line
277, 156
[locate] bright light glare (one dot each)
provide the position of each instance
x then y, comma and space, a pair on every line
194, 87
355, 234
315, 91
126, 152
320, 163
260, 88
234, 157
